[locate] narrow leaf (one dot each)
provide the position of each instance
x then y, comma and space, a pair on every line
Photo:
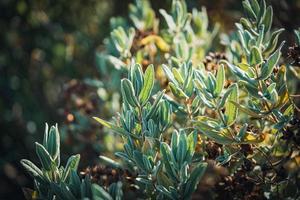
231, 110
44, 156
128, 93
268, 66
255, 57
115, 128
148, 85
220, 80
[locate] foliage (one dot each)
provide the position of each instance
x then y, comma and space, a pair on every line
243, 106
53, 181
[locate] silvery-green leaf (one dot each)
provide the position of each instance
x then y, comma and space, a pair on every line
268, 66
99, 193
44, 156
129, 93
247, 25
170, 22
148, 85
297, 33
260, 38
211, 83
86, 187
169, 74
248, 9
243, 42
136, 77
147, 164
115, 128
138, 158
246, 110
32, 169
110, 161
231, 111
255, 7
177, 92
255, 57
164, 190
212, 133
268, 19
272, 42
177, 76
154, 107
46, 134
165, 153
194, 179
238, 72
72, 164
252, 89
53, 142
225, 96
240, 136
262, 11
182, 149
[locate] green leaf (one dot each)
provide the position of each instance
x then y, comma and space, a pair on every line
99, 193
169, 74
115, 128
170, 22
86, 187
32, 169
211, 83
261, 36
110, 162
177, 92
136, 77
268, 19
245, 110
255, 57
242, 133
46, 134
128, 93
182, 149
231, 111
252, 89
255, 7
177, 76
164, 191
238, 72
267, 67
53, 142
262, 11
74, 183
297, 33
155, 105
212, 133
220, 80
194, 179
272, 42
72, 164
138, 158
44, 156
248, 9
165, 153
243, 42
225, 96
148, 85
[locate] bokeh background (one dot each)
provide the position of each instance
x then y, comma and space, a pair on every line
49, 73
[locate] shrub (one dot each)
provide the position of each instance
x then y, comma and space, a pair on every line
237, 104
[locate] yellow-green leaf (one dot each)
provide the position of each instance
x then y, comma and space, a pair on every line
230, 109
148, 85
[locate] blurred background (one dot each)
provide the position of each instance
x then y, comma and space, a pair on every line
49, 73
